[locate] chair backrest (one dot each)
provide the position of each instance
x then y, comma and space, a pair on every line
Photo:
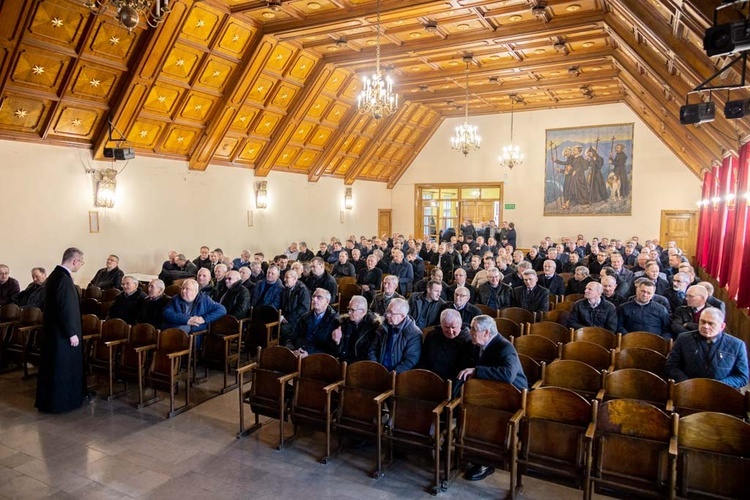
590, 353
417, 393
713, 455
558, 404
641, 358
632, 383
172, 290
90, 324
566, 277
10, 312
537, 347
573, 375
115, 329
364, 380
109, 294
143, 334
90, 306
487, 310
265, 314
508, 328
92, 292
517, 314
551, 330
704, 394
316, 372
565, 305
30, 316
273, 362
556, 315
599, 336
226, 325
531, 368
486, 409
573, 297
633, 439
648, 340
169, 341
346, 280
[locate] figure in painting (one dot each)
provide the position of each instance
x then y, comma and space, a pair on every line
598, 186
579, 189
618, 159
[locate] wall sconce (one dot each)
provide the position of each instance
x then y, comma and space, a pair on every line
730, 200
348, 199
106, 187
261, 194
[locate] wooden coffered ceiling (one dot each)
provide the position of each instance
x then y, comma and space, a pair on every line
235, 83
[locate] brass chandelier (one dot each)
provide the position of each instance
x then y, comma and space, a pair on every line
129, 12
512, 155
466, 138
377, 97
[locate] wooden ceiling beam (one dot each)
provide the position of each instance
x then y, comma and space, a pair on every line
337, 140
406, 163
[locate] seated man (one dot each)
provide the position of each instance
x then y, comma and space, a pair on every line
109, 276
653, 274
380, 302
127, 304
551, 280
643, 314
685, 318
305, 254
403, 271
460, 280
617, 263
436, 274
516, 279
356, 331
236, 298
268, 291
206, 284
203, 259
343, 267
220, 272
245, 279
425, 307
417, 264
292, 252
295, 302
152, 306
530, 296
244, 260
170, 264
313, 331
182, 269
398, 343
461, 304
712, 301
493, 358
8, 286
581, 278
357, 261
319, 278
677, 292
472, 267
33, 295
574, 260
709, 352
191, 311
494, 293
447, 348
593, 310
370, 279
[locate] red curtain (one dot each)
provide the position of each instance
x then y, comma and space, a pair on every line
704, 221
714, 237
727, 218
739, 270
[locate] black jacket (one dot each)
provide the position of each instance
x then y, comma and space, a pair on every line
406, 349
380, 302
305, 256
503, 295
555, 284
500, 362
32, 296
295, 302
682, 320
575, 286
126, 307
424, 312
444, 356
373, 278
604, 316
152, 311
325, 281
108, 279
469, 312
236, 300
346, 269
315, 338
169, 275
534, 300
357, 337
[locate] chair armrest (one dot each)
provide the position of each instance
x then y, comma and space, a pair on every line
600, 395
590, 431
441, 407
669, 406
92, 336
673, 446
537, 384
145, 348
517, 416
112, 343
198, 333
453, 403
247, 368
289, 376
177, 354
272, 324
382, 397
28, 328
333, 386
229, 338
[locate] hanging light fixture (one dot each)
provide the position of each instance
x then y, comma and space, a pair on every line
511, 153
466, 138
377, 97
128, 12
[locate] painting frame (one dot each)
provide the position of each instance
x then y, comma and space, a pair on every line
588, 170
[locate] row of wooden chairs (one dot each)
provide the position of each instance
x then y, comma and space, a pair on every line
94, 292
19, 330
624, 444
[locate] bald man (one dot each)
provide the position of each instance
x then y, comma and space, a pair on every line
593, 310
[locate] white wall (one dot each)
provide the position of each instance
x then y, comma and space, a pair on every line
660, 180
46, 198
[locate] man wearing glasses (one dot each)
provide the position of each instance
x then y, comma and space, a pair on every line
356, 331
398, 344
313, 331
676, 294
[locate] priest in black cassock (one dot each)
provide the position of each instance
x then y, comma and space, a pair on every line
60, 382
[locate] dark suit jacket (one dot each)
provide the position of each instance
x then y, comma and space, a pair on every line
500, 362
126, 307
424, 312
236, 300
536, 300
555, 284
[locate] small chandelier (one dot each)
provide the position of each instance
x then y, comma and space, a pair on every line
128, 12
377, 97
466, 138
511, 153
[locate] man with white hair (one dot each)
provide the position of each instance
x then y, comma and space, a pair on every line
127, 304
244, 260
447, 347
685, 318
268, 291
462, 305
551, 280
220, 272
191, 311
709, 352
530, 296
356, 331
295, 302
677, 292
380, 302
152, 306
398, 344
206, 285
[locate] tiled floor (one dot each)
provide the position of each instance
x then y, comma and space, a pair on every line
111, 450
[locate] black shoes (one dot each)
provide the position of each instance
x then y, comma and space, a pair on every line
478, 472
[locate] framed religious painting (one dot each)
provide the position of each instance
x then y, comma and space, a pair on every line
589, 170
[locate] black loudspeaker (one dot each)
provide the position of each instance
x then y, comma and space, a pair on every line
737, 109
726, 39
697, 113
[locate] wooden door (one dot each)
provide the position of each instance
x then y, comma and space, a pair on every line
682, 227
384, 221
479, 211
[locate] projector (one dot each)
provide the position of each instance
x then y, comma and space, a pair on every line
727, 39
119, 153
697, 113
737, 109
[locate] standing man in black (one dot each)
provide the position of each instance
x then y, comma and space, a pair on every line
60, 383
